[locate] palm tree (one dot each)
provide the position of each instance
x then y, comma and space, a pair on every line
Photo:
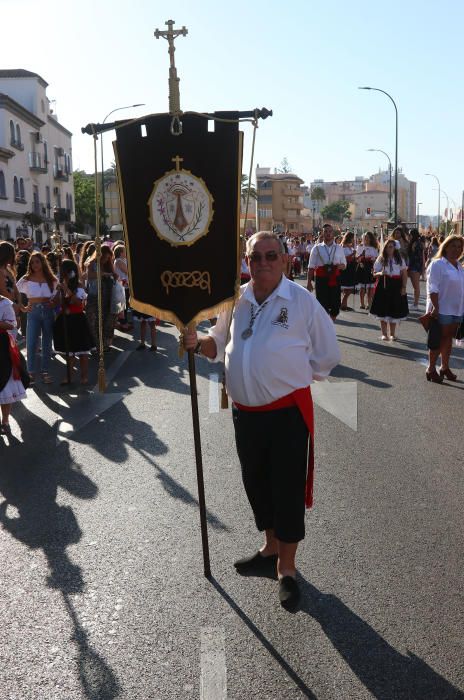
244, 187
317, 194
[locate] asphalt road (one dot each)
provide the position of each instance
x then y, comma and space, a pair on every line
101, 577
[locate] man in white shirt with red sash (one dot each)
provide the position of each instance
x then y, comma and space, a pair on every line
326, 261
279, 341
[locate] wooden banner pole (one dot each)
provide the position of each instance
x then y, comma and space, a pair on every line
199, 463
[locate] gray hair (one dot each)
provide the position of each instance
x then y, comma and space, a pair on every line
263, 235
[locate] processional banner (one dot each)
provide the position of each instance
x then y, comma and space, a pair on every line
180, 203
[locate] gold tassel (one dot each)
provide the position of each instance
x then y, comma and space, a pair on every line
101, 379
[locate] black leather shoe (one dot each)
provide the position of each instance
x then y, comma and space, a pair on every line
289, 593
257, 564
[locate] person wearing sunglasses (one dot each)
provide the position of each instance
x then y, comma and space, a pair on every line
275, 343
326, 261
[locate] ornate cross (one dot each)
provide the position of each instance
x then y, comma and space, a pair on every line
171, 34
177, 160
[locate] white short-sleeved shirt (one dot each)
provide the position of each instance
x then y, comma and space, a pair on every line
448, 281
323, 254
35, 289
348, 250
7, 314
370, 253
81, 294
123, 276
292, 345
392, 268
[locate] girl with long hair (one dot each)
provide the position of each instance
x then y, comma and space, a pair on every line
108, 279
39, 285
348, 275
86, 252
71, 331
13, 376
366, 254
120, 267
390, 303
8, 287
415, 263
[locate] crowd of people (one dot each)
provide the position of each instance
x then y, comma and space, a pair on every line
339, 265
55, 305
50, 302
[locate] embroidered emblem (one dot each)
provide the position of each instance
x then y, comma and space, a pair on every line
181, 206
282, 319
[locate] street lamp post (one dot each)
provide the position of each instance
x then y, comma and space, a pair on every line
378, 150
417, 216
439, 200
447, 212
396, 145
462, 213
139, 104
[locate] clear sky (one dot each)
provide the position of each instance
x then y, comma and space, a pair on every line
303, 59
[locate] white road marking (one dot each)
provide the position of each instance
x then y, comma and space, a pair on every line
338, 398
213, 672
214, 392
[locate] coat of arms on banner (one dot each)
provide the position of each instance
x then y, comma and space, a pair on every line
181, 206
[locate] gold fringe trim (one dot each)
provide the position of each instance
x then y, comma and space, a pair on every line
171, 317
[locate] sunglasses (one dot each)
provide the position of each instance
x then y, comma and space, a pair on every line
270, 256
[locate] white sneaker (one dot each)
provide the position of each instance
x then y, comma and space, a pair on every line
383, 337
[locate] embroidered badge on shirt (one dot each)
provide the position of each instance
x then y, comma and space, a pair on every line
282, 319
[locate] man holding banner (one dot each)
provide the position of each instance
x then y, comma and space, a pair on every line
277, 342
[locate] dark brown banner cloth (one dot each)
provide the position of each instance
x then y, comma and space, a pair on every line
180, 202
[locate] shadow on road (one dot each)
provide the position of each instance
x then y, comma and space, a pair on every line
384, 671
264, 641
351, 373
41, 523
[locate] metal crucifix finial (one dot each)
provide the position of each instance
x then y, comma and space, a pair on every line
171, 34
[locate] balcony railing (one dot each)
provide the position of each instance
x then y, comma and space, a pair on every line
60, 173
292, 205
37, 162
289, 192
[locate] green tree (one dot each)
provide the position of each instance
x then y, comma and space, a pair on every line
337, 211
84, 196
317, 193
284, 166
244, 189
32, 219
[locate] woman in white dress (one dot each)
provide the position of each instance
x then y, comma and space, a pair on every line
12, 372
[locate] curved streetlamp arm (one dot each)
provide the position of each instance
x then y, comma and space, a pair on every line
396, 143
139, 104
379, 150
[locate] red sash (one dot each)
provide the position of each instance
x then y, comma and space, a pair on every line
14, 355
75, 308
303, 400
331, 276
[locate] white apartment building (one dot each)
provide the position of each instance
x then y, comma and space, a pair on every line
35, 159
